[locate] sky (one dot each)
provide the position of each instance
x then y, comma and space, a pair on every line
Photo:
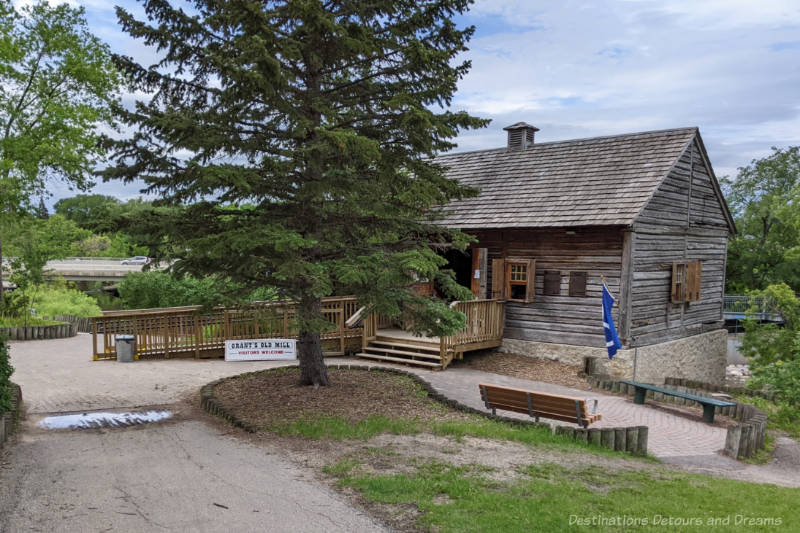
582, 69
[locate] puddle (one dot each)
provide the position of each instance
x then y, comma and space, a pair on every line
103, 420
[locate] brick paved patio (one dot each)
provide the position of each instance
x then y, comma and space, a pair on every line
670, 435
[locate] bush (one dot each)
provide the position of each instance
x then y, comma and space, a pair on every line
774, 351
5, 374
145, 290
16, 321
764, 344
59, 300
782, 375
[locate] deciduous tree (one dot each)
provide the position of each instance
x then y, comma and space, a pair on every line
321, 116
57, 85
764, 200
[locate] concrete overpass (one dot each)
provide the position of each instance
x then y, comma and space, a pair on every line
90, 269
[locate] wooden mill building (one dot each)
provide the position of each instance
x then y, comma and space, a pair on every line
643, 211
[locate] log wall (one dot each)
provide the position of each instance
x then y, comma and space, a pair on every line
684, 220
560, 319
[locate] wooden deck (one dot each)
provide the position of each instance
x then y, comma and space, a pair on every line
174, 332
191, 332
484, 330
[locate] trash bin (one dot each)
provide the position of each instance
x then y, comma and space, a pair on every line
126, 344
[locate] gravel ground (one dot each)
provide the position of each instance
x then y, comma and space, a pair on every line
524, 367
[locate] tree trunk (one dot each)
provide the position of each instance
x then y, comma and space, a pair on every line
309, 346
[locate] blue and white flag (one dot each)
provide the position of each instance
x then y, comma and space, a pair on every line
612, 340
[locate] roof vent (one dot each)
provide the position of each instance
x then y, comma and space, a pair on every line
520, 135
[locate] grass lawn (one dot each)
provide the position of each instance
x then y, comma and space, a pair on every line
421, 465
549, 497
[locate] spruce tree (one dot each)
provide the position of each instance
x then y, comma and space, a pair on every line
293, 143
41, 211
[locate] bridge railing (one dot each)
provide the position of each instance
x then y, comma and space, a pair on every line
760, 308
741, 304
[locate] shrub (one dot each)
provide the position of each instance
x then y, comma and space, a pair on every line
143, 290
59, 300
5, 374
774, 351
764, 344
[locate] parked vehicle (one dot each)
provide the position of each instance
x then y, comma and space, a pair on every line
136, 260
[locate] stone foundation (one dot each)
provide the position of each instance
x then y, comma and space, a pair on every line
700, 357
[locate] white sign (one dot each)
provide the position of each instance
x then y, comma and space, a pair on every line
261, 350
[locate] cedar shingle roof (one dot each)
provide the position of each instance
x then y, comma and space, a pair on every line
583, 182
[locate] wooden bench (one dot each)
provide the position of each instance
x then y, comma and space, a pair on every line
538, 404
709, 404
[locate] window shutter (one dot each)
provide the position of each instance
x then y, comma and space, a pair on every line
577, 284
530, 284
552, 282
498, 279
679, 282
694, 276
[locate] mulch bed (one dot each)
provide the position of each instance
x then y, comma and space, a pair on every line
273, 397
524, 367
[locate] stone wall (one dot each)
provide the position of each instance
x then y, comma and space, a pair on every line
701, 357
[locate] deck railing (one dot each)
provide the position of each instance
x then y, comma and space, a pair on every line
484, 327
189, 332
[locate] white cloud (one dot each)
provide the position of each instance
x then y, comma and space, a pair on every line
579, 69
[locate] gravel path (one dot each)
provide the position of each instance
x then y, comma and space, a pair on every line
59, 375
185, 474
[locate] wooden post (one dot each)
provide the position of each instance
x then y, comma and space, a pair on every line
166, 335
341, 326
197, 331
94, 339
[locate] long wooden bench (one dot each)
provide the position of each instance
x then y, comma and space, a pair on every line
709, 404
538, 404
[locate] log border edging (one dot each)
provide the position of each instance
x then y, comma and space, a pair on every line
31, 333
631, 439
742, 440
9, 421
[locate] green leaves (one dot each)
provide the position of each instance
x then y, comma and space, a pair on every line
305, 132
59, 85
764, 199
5, 372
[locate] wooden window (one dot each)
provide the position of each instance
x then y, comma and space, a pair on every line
552, 283
577, 284
513, 279
686, 281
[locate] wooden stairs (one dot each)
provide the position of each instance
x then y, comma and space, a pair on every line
416, 352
